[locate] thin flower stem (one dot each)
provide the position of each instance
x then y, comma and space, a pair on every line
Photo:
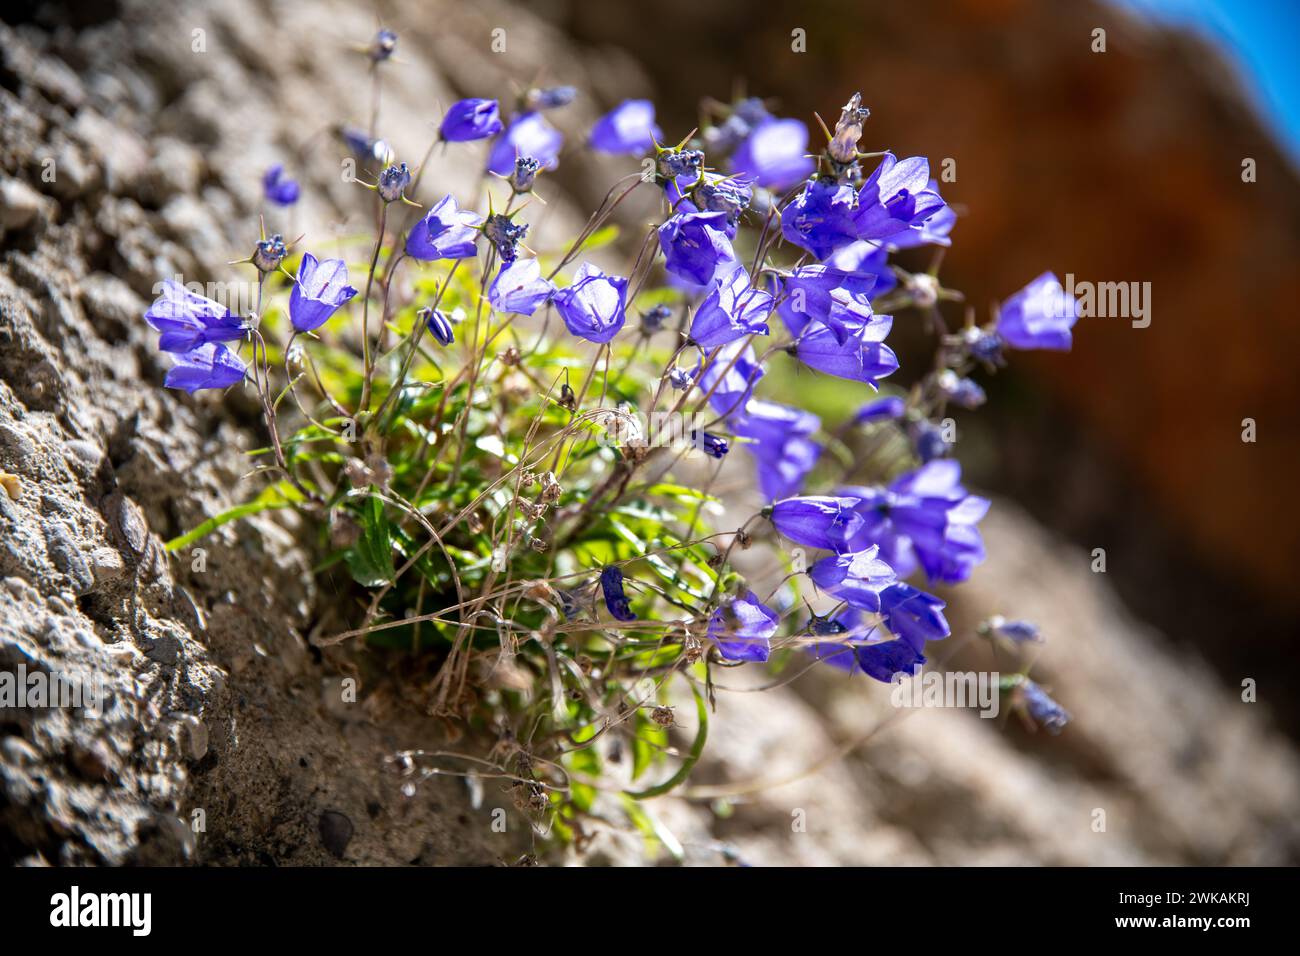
364, 404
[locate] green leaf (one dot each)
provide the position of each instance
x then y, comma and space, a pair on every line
648, 743
279, 495
371, 559
684, 771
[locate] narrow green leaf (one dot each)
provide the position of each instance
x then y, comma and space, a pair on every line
684, 771
371, 559
279, 495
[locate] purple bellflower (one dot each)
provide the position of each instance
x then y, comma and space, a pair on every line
732, 310
924, 518
696, 246
445, 232
520, 287
188, 320
822, 219
862, 257
320, 289
1038, 704
896, 197
934, 231
729, 379
629, 128
209, 366
862, 357
279, 188
593, 305
1018, 632
550, 98
780, 443
856, 578
774, 154
818, 521
611, 586
742, 628
886, 409
1039, 316
913, 615
469, 120
865, 648
527, 135
838, 299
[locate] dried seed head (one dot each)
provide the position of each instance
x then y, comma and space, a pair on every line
551, 489
356, 472
540, 591
663, 716
381, 472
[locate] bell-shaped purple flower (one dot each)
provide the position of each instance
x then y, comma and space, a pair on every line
822, 219
593, 306
731, 311
858, 578
913, 615
209, 366
445, 232
729, 379
188, 320
888, 659
1031, 699
696, 246
1018, 632
819, 521
926, 518
896, 197
611, 586
742, 628
861, 357
866, 258
469, 120
279, 188
527, 135
1039, 316
628, 128
318, 292
774, 154
520, 287
839, 300
934, 231
866, 648
889, 408
780, 443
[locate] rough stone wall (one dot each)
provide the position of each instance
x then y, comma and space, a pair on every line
217, 702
